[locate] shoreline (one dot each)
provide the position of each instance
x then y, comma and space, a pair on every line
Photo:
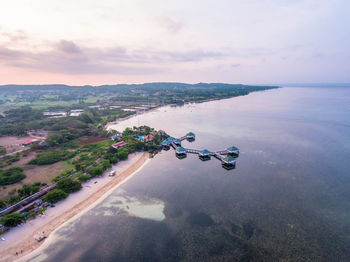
75, 205
110, 124
31, 247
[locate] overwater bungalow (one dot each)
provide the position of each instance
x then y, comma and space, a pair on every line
204, 154
190, 136
233, 151
228, 162
181, 151
227, 156
177, 142
166, 143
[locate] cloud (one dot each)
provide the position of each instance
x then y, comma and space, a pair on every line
8, 54
12, 37
67, 57
68, 47
172, 26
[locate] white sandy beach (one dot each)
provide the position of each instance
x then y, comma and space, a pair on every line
21, 238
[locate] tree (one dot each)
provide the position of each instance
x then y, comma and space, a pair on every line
28, 190
78, 166
12, 220
25, 191
35, 189
13, 199
106, 164
83, 178
122, 155
68, 185
55, 196
95, 171
2, 204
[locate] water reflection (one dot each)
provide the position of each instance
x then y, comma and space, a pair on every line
288, 200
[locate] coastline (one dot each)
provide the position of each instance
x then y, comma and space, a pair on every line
21, 240
110, 124
54, 219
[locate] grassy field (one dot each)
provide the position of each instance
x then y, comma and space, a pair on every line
90, 139
35, 173
42, 104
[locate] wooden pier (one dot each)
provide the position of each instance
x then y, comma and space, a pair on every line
227, 157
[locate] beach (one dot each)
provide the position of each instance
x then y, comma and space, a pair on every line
19, 242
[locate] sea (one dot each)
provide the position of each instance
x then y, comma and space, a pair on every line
287, 199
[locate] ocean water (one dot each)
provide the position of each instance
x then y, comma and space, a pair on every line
288, 199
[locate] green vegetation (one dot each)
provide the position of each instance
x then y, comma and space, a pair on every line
8, 160
33, 214
2, 150
68, 185
2, 204
83, 178
81, 141
23, 105
12, 220
50, 157
106, 164
55, 196
11, 175
122, 155
28, 190
95, 171
13, 199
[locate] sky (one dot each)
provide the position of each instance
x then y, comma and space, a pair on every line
80, 42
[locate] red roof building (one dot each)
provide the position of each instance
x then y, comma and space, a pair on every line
148, 138
119, 144
27, 143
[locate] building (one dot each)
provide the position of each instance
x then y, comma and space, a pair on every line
233, 150
76, 112
190, 136
228, 162
147, 138
166, 143
116, 136
119, 144
181, 150
52, 114
28, 143
177, 141
205, 153
43, 143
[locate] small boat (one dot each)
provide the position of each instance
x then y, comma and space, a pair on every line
39, 237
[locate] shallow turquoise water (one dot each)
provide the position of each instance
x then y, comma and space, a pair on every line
287, 200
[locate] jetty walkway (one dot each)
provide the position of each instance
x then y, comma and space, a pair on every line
227, 157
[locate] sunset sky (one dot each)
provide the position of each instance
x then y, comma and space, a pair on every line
132, 41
